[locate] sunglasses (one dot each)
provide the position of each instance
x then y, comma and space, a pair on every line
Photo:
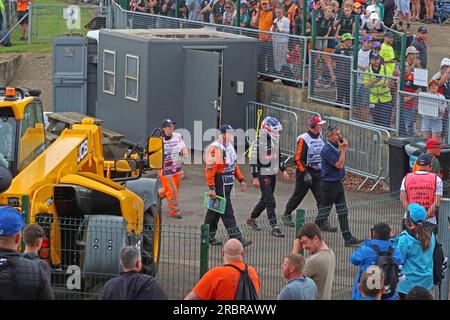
227, 7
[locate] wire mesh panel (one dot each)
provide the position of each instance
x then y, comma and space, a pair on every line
49, 21
368, 154
375, 99
330, 78
256, 112
424, 114
302, 116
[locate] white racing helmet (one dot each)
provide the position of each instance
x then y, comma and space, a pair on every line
272, 127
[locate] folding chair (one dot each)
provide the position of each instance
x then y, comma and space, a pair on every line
443, 11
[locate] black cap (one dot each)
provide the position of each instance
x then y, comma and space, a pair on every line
374, 55
424, 160
224, 128
389, 35
422, 30
167, 122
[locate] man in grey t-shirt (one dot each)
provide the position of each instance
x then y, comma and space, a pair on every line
298, 286
321, 262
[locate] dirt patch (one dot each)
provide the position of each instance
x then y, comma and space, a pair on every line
35, 71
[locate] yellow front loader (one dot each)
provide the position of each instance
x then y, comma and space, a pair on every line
69, 183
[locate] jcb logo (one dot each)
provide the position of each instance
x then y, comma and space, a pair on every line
74, 280
82, 150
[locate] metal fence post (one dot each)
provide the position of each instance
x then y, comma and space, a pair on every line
304, 16
30, 13
204, 249
356, 45
399, 100
25, 215
238, 13
177, 9
305, 63
444, 237
299, 222
402, 62
313, 30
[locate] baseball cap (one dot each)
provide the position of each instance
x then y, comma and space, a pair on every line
376, 44
389, 35
225, 128
417, 213
316, 120
244, 4
424, 160
445, 62
411, 49
374, 15
347, 36
167, 122
422, 30
371, 8
264, 1
374, 56
433, 143
11, 221
367, 37
357, 5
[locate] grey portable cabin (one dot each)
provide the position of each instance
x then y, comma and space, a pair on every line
187, 75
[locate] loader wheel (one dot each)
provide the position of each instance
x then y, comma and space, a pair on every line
151, 239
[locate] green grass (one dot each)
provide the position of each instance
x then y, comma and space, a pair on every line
49, 24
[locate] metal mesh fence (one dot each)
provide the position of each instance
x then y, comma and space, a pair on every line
302, 116
330, 78
375, 99
279, 55
48, 21
423, 114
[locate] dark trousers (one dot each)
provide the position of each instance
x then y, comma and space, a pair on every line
333, 194
301, 190
265, 57
267, 201
343, 90
212, 218
382, 114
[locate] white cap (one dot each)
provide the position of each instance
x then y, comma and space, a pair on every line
371, 8
445, 62
374, 15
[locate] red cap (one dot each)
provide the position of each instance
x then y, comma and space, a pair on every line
433, 143
314, 121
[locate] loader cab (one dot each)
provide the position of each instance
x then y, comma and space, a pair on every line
22, 131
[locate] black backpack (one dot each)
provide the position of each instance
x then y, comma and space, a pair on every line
439, 264
245, 290
390, 268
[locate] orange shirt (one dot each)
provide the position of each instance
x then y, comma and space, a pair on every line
221, 283
265, 23
22, 5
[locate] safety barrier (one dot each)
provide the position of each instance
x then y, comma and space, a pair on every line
375, 99
330, 78
423, 114
185, 254
302, 115
279, 55
256, 112
370, 159
48, 21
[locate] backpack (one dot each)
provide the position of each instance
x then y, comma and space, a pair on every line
245, 289
439, 263
390, 268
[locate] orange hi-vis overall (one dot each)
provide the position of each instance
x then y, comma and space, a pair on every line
172, 173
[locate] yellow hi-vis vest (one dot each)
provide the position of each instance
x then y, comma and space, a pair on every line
380, 91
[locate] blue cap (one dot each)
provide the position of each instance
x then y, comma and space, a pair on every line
417, 213
167, 122
367, 37
11, 221
224, 128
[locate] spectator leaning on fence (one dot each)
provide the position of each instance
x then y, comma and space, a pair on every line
221, 283
33, 236
409, 105
371, 284
194, 7
324, 28
443, 77
419, 293
366, 255
218, 9
432, 124
265, 50
423, 187
421, 45
416, 244
381, 104
20, 278
291, 11
131, 284
245, 17
280, 42
360, 107
308, 172
333, 172
321, 263
345, 22
298, 287
343, 73
229, 16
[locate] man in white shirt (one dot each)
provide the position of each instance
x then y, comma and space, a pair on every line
361, 111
